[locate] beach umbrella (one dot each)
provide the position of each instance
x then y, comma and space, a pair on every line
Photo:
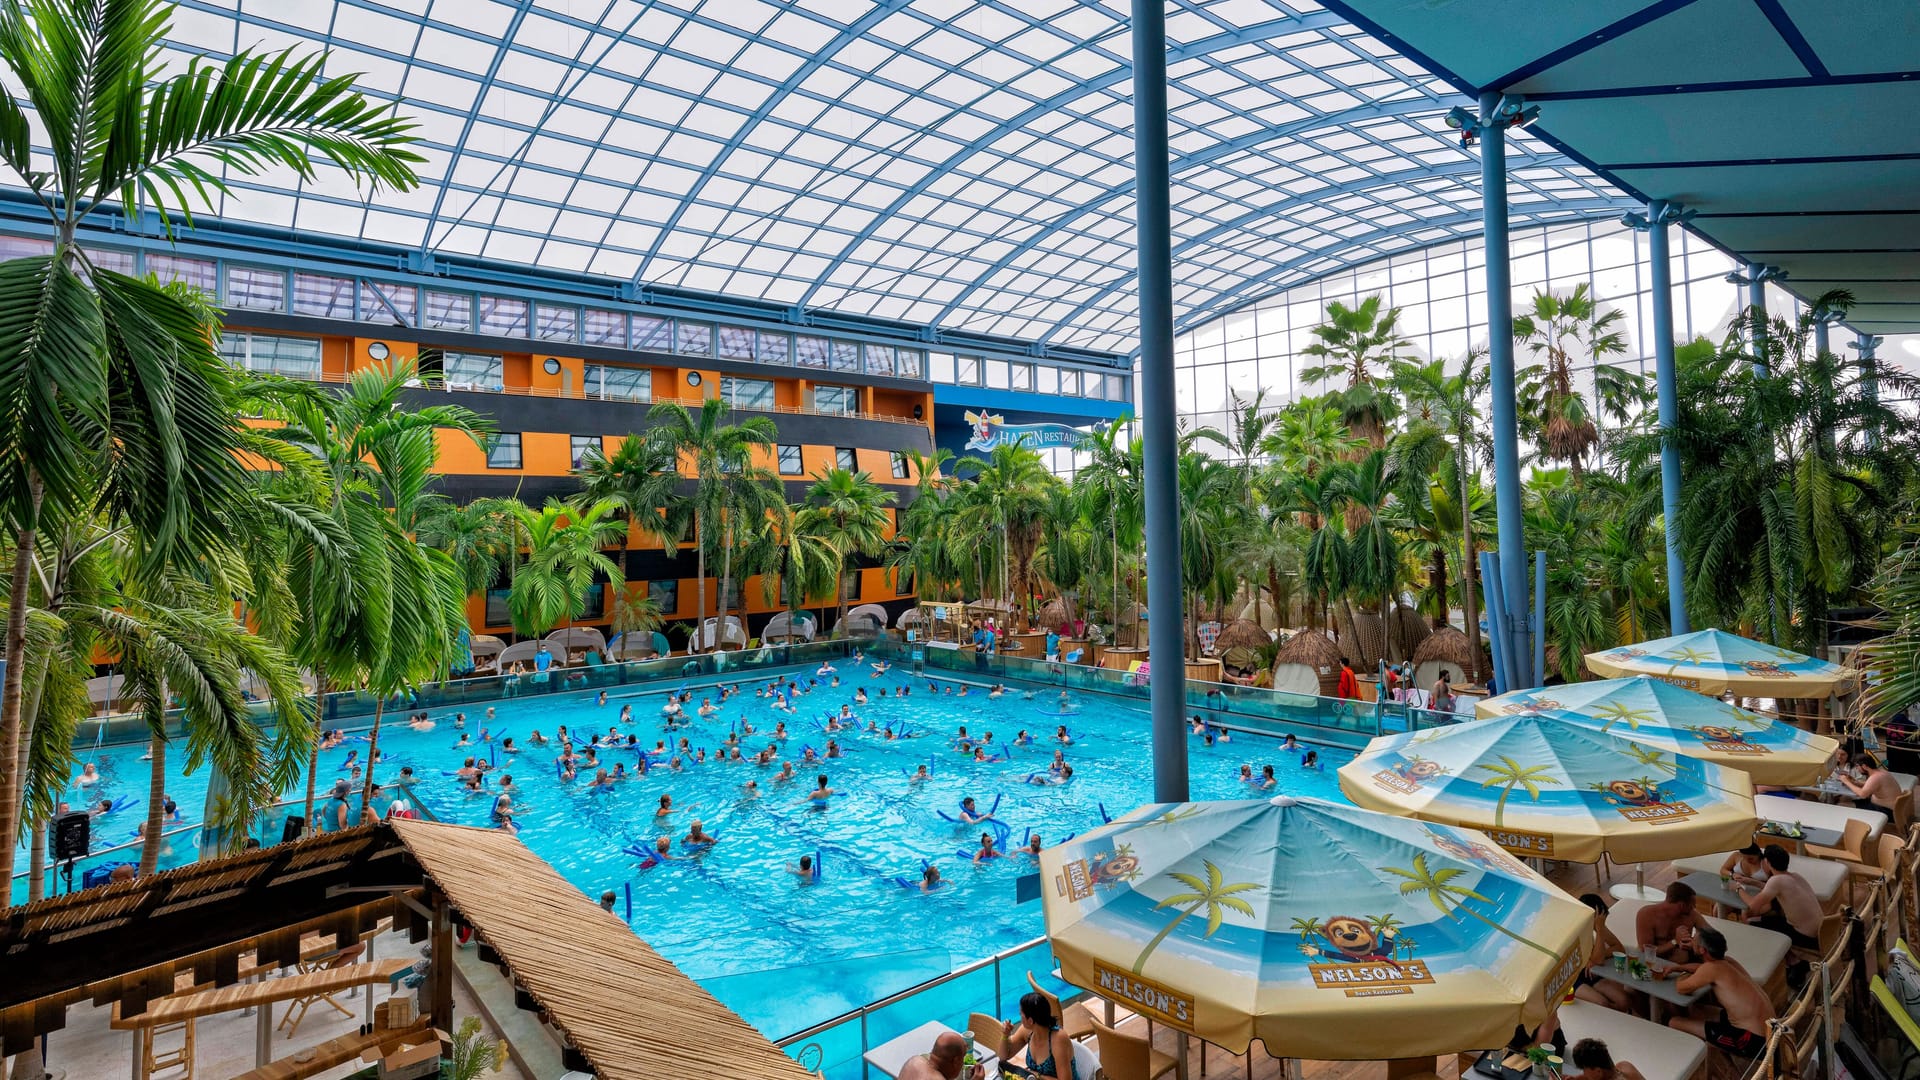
1325, 932
1656, 713
1716, 662
1548, 788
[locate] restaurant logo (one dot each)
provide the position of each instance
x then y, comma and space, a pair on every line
1406, 777
1564, 974
1371, 980
1492, 858
1366, 957
1165, 1004
1763, 669
1523, 842
1074, 882
1642, 800
1726, 740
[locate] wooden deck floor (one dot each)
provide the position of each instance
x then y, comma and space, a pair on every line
1575, 878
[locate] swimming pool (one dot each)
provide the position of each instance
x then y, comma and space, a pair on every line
783, 952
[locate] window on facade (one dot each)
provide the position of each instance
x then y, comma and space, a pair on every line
845, 356
789, 458
651, 334
900, 466
1069, 382
198, 273
503, 450
845, 458
601, 327
879, 359
665, 595
1117, 387
381, 302
811, 352
593, 602
24, 247
736, 597
967, 371
256, 288
499, 607
1020, 377
556, 322
775, 348
291, 357
694, 339
908, 363
996, 374
503, 315
942, 367
746, 393
580, 444
736, 343
114, 259
618, 383
323, 296
836, 399
1047, 380
902, 583
850, 585
448, 311
473, 371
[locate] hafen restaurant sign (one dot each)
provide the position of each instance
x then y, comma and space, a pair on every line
990, 430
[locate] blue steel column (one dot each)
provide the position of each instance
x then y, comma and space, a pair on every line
1166, 640
1662, 266
1506, 435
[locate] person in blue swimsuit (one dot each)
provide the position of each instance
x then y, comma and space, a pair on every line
1039, 1032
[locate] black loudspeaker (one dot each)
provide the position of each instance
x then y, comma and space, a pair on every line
72, 833
919, 413
524, 1000
574, 1061
294, 827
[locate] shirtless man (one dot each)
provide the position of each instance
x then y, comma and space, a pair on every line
946, 1061
1657, 925
1877, 790
1785, 903
1741, 1029
821, 793
1593, 1061
698, 836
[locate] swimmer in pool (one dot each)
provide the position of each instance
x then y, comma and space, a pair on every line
1032, 849
666, 807
662, 851
786, 772
459, 720
1023, 739
490, 715
506, 746
536, 739
421, 723
808, 757
880, 669
1267, 781
970, 813
602, 699
1290, 743
930, 879
804, 870
980, 753
833, 749
921, 774
626, 714
1311, 761
502, 813
825, 669
986, 850
750, 789
1246, 774
707, 707
1060, 736
1059, 761
602, 781
464, 741
780, 730
698, 837
821, 793
619, 770
962, 737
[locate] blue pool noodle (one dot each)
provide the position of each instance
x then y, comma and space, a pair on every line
629, 888
1104, 816
819, 865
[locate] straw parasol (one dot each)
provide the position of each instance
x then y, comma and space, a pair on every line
1716, 662
1445, 648
1326, 932
1410, 629
1241, 634
1312, 653
1551, 789
1367, 645
1657, 713
1055, 613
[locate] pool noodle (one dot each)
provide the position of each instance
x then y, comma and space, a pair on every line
1104, 816
121, 803
629, 888
819, 865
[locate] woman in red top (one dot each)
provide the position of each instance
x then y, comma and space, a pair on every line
1349, 686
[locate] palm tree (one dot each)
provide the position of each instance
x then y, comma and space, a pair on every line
1008, 497
1564, 332
1512, 774
1615, 712
806, 563
1450, 405
642, 478
564, 556
477, 537
1653, 759
720, 454
97, 358
849, 511
1306, 928
1437, 886
1212, 893
1109, 493
1366, 490
1350, 343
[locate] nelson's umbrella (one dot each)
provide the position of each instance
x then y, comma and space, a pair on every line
1716, 662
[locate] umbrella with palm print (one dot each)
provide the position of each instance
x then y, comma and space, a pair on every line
1660, 714
1554, 788
1294, 922
1716, 662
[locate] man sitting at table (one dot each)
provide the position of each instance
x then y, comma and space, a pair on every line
1877, 789
1785, 903
1745, 1008
943, 1062
1657, 926
1593, 1061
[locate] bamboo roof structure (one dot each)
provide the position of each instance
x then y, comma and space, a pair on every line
1446, 645
628, 1009
1242, 634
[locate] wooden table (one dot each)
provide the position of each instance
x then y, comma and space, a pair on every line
891, 1057
1827, 878
1761, 952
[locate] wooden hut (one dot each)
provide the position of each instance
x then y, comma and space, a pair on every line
1445, 648
1055, 614
1409, 628
1309, 663
1242, 634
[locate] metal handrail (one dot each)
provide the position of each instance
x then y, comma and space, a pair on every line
938, 980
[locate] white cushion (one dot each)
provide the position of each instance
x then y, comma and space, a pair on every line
1903, 978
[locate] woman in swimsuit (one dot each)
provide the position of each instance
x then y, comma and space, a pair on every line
1039, 1033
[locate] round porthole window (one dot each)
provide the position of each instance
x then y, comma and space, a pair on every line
693, 378
552, 366
378, 350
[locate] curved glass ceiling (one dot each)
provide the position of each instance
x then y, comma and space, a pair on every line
956, 163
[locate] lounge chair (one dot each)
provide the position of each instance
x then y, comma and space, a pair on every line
1075, 1019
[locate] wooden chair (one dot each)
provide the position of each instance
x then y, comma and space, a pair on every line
1076, 1020
297, 1008
1902, 813
1853, 844
990, 1032
180, 1057
1886, 859
1130, 1057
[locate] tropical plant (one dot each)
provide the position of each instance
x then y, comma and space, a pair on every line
719, 454
1212, 893
474, 1055
1449, 405
1563, 332
1350, 342
642, 478
849, 511
1006, 497
564, 558
1108, 491
1510, 774
1437, 885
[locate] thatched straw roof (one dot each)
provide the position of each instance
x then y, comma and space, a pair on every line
1410, 628
1261, 611
1241, 634
1310, 648
1055, 613
1446, 646
1368, 645
625, 1007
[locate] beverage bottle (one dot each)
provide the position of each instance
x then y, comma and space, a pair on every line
972, 1057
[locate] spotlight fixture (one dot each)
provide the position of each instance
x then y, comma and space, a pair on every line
1524, 117
1635, 221
1460, 119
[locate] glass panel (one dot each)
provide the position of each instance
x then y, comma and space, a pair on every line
775, 348
899, 466
651, 334
619, 383
120, 262
580, 444
327, 297
1117, 388
23, 247
968, 371
835, 399
291, 357
499, 607
736, 343
996, 374
474, 371
879, 359
1021, 376
1048, 380
256, 288
503, 452
789, 456
942, 367
593, 602
405, 301
604, 327
1069, 382
503, 315
909, 363
747, 393
555, 322
810, 352
694, 339
448, 311
846, 356
845, 458
198, 273
665, 595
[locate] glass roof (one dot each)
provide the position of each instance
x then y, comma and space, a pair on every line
964, 164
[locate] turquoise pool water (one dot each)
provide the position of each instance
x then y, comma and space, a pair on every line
783, 952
